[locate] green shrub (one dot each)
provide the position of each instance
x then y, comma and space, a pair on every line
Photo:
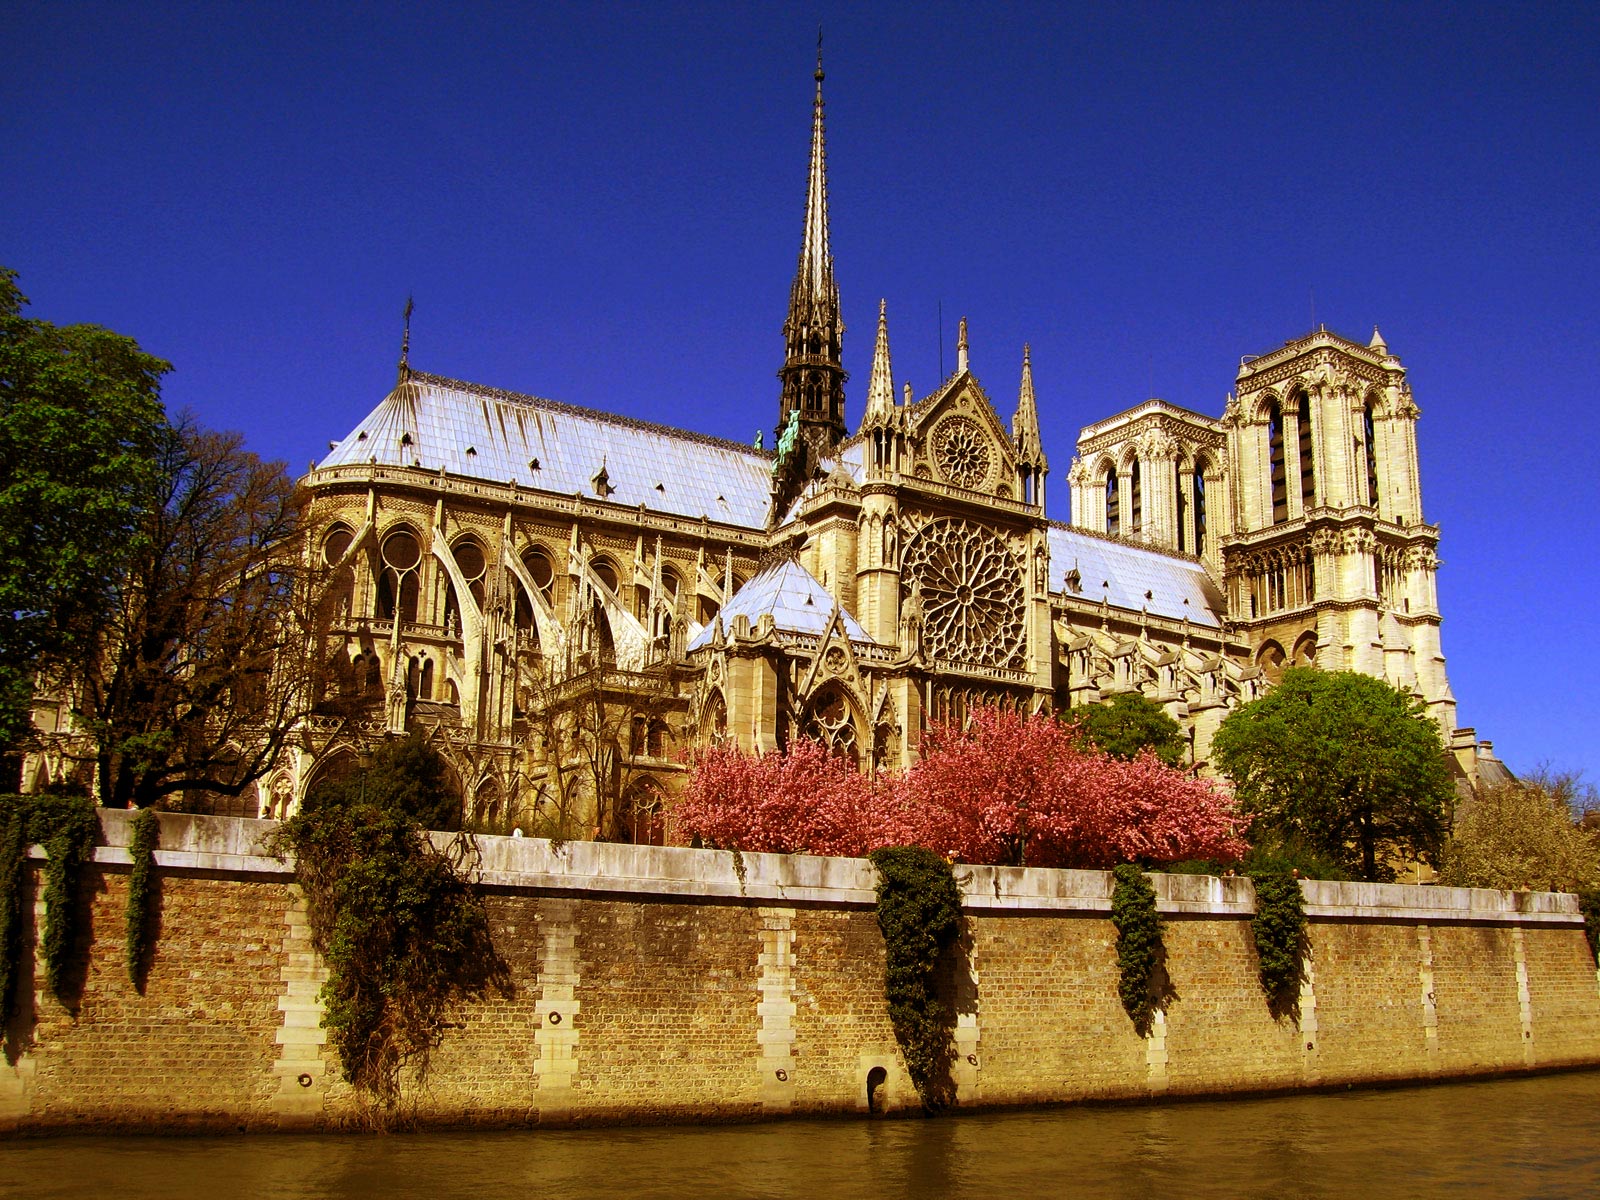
919, 912
1279, 927
1139, 949
144, 835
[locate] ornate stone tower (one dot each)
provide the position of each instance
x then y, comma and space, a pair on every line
1331, 562
811, 410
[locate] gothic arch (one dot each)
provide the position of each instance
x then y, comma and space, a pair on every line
1305, 649
1270, 659
400, 563
641, 813
833, 717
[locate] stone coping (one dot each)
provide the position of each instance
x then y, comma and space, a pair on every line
234, 845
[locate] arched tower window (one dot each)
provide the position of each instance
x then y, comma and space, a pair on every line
1280, 493
1369, 434
1135, 500
397, 586
1308, 463
1199, 506
1183, 506
469, 557
1113, 501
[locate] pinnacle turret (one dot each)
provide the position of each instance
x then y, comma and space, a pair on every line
1025, 424
880, 389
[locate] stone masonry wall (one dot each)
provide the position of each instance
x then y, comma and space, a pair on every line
654, 984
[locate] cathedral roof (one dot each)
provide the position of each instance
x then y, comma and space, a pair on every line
1132, 577
504, 437
793, 596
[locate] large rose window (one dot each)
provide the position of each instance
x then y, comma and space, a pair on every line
963, 452
972, 596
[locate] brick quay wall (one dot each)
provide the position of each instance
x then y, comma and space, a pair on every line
657, 985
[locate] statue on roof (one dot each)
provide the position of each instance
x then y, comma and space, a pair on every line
786, 443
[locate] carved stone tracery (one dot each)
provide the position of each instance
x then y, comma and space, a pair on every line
963, 452
971, 589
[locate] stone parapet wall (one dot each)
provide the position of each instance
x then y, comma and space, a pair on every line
657, 984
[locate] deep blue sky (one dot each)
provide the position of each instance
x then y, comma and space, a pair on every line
603, 204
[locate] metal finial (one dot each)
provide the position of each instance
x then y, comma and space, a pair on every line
819, 53
405, 338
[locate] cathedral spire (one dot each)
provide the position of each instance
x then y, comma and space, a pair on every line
816, 261
811, 410
880, 389
1025, 424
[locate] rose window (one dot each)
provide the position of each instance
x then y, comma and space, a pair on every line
972, 595
831, 725
963, 452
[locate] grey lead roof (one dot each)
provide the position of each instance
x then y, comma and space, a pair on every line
1123, 574
793, 595
485, 433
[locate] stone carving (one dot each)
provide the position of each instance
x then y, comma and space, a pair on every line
972, 594
963, 452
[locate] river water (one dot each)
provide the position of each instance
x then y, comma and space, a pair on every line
1502, 1139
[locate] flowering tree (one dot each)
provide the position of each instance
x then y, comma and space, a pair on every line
1005, 789
802, 800
1018, 790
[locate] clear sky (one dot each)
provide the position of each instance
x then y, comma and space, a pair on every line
602, 205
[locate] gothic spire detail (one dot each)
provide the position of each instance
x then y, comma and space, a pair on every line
880, 388
1025, 424
814, 279
811, 410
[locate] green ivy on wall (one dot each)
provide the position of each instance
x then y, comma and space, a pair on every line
403, 932
919, 912
144, 834
1279, 927
1139, 948
67, 828
1589, 906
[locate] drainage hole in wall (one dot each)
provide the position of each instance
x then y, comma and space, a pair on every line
305, 1080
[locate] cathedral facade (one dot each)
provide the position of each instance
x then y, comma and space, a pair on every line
567, 601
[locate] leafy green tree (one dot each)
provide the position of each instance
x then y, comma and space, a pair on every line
80, 417
405, 775
1520, 835
1341, 765
1127, 724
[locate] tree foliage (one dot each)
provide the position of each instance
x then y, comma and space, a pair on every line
1129, 724
405, 774
1341, 764
204, 665
396, 919
799, 801
1022, 790
1520, 835
1007, 788
80, 420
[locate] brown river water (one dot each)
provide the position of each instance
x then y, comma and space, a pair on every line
1537, 1137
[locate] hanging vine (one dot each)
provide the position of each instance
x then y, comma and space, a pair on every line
67, 828
144, 834
1589, 906
402, 930
919, 912
1139, 949
1279, 927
